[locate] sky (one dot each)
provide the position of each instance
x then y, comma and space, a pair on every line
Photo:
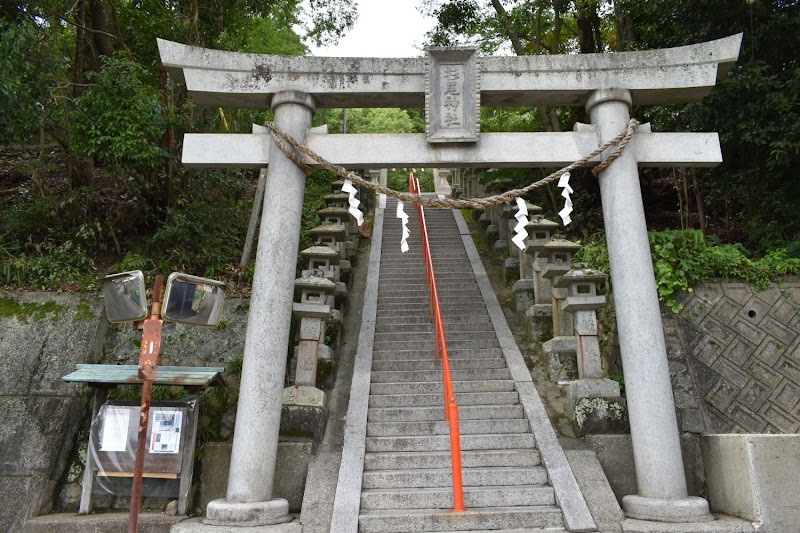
384, 28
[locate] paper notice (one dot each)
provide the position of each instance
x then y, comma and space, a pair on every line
115, 430
165, 435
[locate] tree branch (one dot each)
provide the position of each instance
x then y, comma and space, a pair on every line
73, 23
516, 43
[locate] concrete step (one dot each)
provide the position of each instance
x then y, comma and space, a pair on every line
423, 344
469, 459
401, 295
470, 374
475, 519
438, 249
436, 399
453, 352
429, 355
441, 427
445, 280
422, 314
466, 412
467, 318
149, 522
432, 387
429, 364
442, 498
442, 443
424, 300
476, 331
442, 477
385, 329
445, 305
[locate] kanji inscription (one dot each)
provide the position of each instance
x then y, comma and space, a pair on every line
452, 101
452, 98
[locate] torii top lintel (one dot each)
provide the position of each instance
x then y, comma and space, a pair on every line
665, 76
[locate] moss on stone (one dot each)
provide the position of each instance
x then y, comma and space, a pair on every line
9, 307
83, 311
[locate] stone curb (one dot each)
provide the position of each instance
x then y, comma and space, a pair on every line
347, 501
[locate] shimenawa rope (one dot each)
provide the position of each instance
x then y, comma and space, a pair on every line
621, 141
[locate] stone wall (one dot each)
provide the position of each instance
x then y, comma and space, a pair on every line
735, 358
43, 419
42, 337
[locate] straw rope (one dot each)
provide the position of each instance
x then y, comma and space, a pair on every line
291, 146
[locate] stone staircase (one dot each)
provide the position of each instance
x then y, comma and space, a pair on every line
406, 483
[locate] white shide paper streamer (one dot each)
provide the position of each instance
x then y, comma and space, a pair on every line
564, 213
404, 217
354, 203
522, 221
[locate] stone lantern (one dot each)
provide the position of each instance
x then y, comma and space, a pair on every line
331, 235
338, 215
304, 403
595, 400
582, 301
321, 261
509, 213
557, 257
339, 199
540, 231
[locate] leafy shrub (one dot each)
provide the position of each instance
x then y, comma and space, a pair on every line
118, 121
53, 263
684, 258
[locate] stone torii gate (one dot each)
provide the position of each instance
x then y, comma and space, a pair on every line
452, 84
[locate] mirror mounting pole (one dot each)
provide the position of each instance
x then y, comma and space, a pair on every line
148, 368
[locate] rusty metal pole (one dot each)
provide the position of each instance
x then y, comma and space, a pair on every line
148, 367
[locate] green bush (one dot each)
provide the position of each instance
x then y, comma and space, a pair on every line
54, 263
684, 258
118, 121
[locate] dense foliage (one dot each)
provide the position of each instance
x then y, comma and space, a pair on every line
100, 186
684, 258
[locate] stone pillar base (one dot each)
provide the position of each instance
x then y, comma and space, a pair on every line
689, 509
524, 294
492, 234
511, 270
224, 513
303, 412
562, 356
598, 415
499, 248
539, 322
593, 388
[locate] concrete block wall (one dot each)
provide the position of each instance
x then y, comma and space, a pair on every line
735, 358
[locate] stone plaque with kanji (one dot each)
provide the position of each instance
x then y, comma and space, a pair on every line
452, 95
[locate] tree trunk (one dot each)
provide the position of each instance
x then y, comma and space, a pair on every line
626, 32
556, 26
92, 41
698, 198
586, 19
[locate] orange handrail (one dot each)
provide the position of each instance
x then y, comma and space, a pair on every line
450, 407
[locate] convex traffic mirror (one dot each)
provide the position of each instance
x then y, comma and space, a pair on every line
193, 300
125, 297
188, 299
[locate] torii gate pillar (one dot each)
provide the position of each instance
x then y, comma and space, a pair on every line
651, 407
249, 498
